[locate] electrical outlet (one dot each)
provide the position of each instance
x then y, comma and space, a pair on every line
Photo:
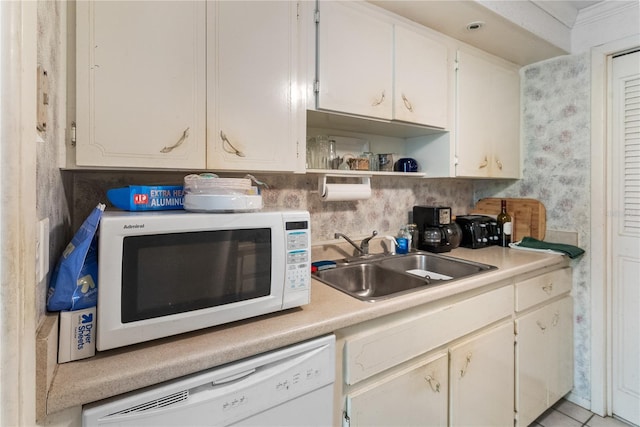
42, 249
43, 98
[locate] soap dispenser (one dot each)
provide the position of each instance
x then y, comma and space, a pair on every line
393, 244
404, 240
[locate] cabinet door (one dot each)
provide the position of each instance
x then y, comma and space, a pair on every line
421, 79
488, 130
415, 396
481, 379
355, 54
544, 358
252, 94
561, 341
141, 84
531, 366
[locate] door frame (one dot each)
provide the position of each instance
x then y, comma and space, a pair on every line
18, 81
600, 260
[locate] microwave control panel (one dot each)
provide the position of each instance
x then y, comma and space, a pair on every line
298, 255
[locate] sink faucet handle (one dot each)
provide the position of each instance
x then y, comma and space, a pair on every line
364, 245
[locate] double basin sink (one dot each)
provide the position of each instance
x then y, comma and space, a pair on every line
385, 276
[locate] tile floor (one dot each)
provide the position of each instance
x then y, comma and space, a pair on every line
567, 414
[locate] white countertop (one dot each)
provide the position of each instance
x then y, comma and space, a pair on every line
117, 371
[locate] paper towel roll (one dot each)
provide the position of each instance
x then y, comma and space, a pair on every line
346, 192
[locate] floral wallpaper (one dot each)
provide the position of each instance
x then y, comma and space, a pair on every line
50, 194
556, 150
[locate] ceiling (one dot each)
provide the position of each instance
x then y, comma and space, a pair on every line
564, 11
521, 31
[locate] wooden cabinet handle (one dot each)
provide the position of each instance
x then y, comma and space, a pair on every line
484, 164
435, 384
548, 288
225, 142
183, 138
407, 104
463, 371
542, 326
380, 101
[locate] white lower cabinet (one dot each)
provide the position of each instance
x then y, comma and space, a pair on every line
397, 371
481, 379
544, 358
484, 360
416, 396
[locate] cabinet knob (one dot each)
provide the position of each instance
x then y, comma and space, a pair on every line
499, 163
548, 288
407, 104
183, 138
435, 384
379, 101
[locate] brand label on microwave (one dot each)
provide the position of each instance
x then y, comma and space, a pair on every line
132, 226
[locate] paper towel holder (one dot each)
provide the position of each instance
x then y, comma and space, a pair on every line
322, 180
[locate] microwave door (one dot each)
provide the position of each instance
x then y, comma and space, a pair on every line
176, 273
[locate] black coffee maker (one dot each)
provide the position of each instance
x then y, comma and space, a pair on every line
436, 231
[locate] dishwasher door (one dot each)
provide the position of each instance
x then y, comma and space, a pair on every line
292, 386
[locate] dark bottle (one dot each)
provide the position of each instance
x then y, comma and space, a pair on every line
505, 225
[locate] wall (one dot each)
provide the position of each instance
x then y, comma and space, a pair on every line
556, 147
388, 208
51, 200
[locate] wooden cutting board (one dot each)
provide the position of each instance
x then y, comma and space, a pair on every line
529, 216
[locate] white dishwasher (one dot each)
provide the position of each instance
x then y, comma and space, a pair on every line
291, 386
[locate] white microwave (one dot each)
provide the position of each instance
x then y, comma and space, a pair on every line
168, 272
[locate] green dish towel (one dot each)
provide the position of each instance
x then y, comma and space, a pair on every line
530, 242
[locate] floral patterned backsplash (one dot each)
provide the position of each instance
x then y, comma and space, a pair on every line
388, 208
556, 137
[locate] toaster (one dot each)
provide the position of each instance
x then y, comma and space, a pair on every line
478, 231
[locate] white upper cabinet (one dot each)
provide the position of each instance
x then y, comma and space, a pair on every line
141, 87
488, 117
421, 84
254, 120
189, 85
355, 61
371, 65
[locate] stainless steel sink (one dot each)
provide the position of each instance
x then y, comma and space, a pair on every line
393, 275
369, 282
434, 267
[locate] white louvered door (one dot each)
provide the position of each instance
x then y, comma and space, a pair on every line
625, 236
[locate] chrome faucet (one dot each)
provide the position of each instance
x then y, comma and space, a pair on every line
364, 244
